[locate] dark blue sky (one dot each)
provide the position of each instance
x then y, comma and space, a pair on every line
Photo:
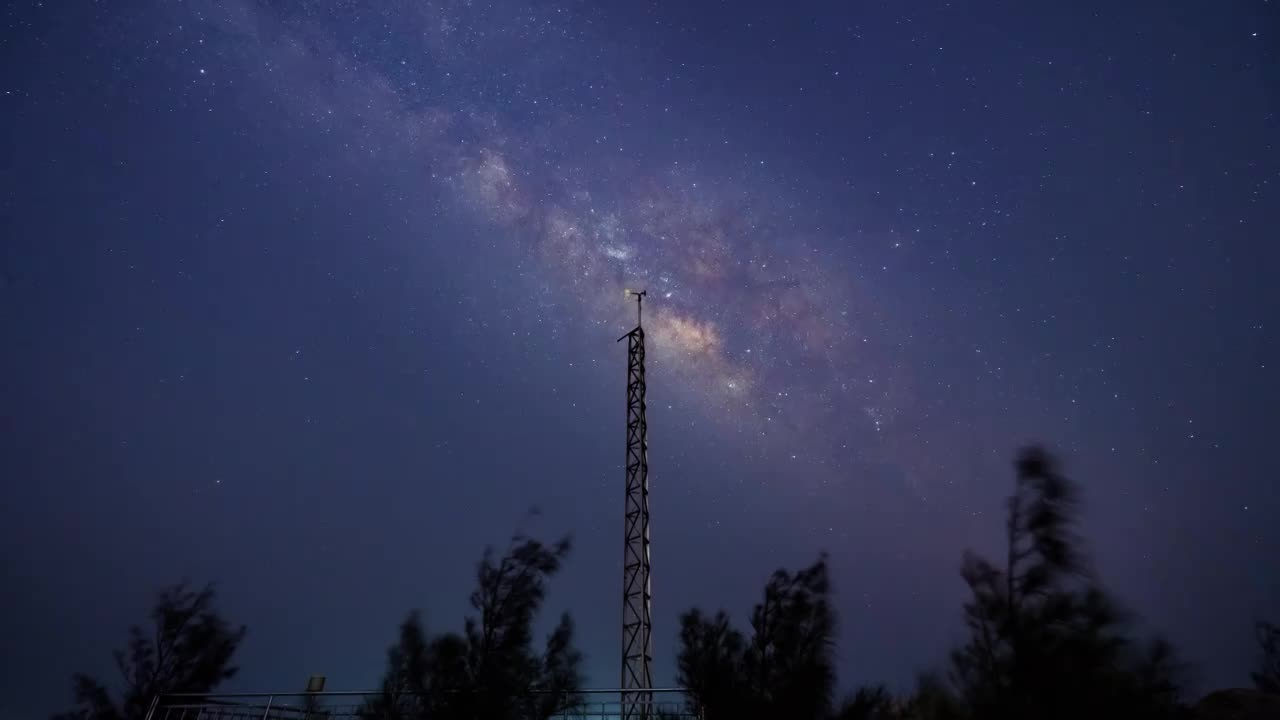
317, 299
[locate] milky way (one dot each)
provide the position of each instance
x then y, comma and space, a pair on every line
753, 319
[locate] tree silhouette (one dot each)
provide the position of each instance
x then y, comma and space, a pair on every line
785, 669
710, 664
490, 670
188, 650
1267, 677
869, 703
932, 700
1045, 640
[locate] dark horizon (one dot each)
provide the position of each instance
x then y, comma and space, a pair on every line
316, 300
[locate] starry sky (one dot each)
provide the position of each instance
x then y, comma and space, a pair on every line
317, 299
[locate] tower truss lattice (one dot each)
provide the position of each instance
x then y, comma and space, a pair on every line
637, 626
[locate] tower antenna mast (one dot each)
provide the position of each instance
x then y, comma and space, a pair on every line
637, 626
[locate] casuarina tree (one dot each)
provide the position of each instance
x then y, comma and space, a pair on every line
188, 649
1045, 640
491, 669
784, 669
1267, 677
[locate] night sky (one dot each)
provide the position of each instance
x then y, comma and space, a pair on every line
317, 299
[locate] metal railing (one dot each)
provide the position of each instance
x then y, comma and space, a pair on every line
663, 704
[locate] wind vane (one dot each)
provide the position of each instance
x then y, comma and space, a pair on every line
639, 296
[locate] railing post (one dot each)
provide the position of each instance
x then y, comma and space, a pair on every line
151, 709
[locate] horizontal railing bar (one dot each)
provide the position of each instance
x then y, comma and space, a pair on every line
303, 693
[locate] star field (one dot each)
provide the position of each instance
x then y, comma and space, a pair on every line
315, 299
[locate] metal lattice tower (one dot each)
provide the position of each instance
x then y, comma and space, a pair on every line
637, 627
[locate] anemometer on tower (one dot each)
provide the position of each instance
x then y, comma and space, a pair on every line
639, 295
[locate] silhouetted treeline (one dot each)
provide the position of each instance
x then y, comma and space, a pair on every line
1044, 641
